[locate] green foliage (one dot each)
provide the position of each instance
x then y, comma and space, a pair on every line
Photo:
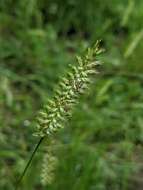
101, 146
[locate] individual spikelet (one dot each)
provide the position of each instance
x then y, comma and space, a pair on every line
57, 110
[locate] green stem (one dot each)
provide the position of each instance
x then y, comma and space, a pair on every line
28, 163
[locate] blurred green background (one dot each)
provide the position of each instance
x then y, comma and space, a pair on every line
101, 146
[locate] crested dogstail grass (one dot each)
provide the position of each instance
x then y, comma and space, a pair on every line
103, 139
56, 111
76, 82
53, 115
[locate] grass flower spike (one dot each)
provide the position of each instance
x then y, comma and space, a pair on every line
76, 82
57, 110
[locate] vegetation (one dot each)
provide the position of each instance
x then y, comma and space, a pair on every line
101, 146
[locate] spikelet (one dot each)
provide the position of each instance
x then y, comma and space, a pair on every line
57, 110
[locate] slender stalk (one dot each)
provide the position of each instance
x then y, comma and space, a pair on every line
28, 163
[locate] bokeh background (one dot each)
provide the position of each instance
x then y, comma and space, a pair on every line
101, 148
